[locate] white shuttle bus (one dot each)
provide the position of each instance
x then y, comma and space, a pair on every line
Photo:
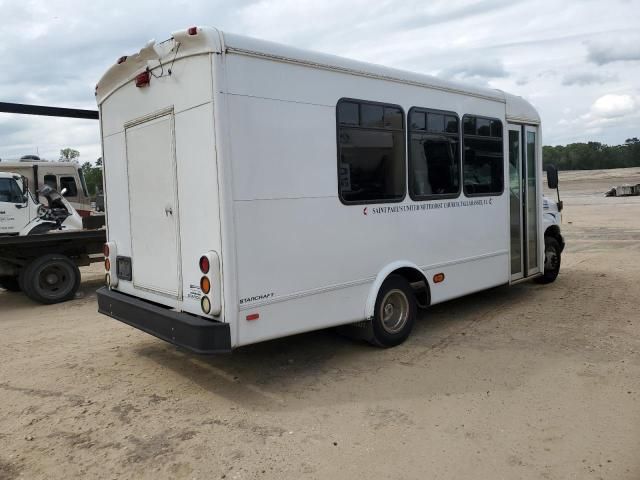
255, 191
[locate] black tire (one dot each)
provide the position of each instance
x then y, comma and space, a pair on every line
50, 279
552, 260
10, 283
395, 312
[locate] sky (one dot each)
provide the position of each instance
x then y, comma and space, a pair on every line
577, 62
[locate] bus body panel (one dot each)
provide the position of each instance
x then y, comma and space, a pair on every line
310, 245
184, 100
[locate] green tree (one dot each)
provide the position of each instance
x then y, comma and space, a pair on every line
93, 176
68, 154
593, 155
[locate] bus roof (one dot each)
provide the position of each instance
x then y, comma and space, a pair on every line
209, 39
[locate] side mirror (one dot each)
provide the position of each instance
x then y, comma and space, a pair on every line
552, 177
25, 186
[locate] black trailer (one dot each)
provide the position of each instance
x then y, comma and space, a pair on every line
45, 266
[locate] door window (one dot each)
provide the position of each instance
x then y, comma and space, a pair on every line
532, 204
9, 191
515, 201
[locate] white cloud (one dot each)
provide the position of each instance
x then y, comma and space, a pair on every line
612, 105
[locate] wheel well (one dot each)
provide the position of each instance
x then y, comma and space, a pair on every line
419, 283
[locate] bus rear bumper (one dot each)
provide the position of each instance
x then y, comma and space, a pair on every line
182, 329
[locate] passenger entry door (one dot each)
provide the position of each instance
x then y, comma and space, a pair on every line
523, 195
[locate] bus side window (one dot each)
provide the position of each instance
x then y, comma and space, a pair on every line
371, 152
483, 158
52, 181
70, 184
434, 154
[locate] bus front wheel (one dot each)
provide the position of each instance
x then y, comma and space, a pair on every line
395, 312
552, 257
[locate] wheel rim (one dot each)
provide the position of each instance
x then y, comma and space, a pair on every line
551, 260
394, 311
55, 281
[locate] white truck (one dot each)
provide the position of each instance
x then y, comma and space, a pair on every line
255, 190
59, 176
21, 214
42, 245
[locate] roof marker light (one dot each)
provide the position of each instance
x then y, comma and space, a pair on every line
143, 79
192, 31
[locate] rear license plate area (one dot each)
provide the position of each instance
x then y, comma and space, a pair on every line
123, 268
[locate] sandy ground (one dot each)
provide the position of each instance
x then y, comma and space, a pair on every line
523, 382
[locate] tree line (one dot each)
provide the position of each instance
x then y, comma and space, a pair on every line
593, 155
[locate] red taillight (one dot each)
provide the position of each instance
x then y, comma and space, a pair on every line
143, 79
204, 264
107, 265
122, 59
253, 316
105, 250
192, 31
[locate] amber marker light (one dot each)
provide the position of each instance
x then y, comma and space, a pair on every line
205, 285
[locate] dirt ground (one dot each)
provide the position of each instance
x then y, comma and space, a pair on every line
525, 382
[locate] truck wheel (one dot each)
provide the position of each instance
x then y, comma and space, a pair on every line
395, 312
552, 257
51, 279
10, 283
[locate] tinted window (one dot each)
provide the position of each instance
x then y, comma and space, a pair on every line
483, 156
434, 155
371, 115
52, 181
9, 191
70, 184
371, 155
348, 113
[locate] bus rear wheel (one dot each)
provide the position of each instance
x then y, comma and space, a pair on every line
395, 312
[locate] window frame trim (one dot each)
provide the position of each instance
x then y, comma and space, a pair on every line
475, 136
442, 196
403, 130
